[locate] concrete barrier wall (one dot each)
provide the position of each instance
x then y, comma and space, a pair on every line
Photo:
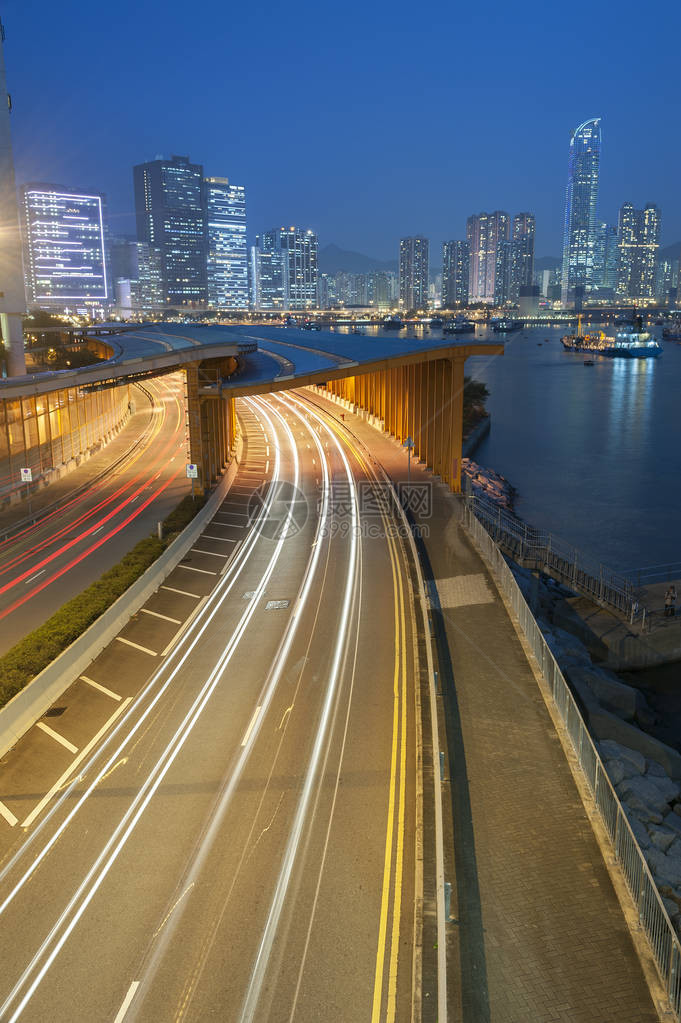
24, 709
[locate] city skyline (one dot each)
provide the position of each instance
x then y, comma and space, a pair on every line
430, 189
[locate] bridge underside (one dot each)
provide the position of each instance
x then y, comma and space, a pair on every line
417, 396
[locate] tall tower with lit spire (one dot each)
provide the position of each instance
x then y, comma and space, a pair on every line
581, 204
12, 300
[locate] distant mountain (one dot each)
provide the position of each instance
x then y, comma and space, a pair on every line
332, 259
547, 263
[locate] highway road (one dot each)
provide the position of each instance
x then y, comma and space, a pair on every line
95, 524
220, 820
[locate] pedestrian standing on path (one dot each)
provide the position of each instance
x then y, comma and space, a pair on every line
670, 601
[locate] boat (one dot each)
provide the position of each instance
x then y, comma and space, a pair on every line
357, 330
633, 343
672, 332
435, 323
311, 325
589, 362
393, 323
459, 325
506, 326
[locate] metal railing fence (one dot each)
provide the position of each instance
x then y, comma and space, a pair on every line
538, 549
653, 918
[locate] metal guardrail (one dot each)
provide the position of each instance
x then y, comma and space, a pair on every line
654, 920
535, 548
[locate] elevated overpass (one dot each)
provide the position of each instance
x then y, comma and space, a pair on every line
414, 386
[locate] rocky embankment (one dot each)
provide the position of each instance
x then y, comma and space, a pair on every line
488, 483
645, 772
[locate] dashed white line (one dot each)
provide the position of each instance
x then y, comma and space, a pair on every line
222, 539
56, 736
267, 465
214, 554
203, 571
251, 726
184, 593
102, 689
8, 815
35, 576
137, 646
126, 1001
157, 614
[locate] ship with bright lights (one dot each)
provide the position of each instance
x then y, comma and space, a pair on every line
634, 343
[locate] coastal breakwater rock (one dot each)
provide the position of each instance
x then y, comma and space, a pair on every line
645, 772
489, 484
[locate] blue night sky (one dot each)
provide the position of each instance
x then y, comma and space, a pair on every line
365, 121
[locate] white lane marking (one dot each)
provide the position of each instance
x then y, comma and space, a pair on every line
98, 530
56, 736
222, 539
200, 550
137, 646
184, 593
203, 571
35, 576
102, 689
157, 614
267, 451
126, 1001
267, 465
8, 815
233, 515
251, 726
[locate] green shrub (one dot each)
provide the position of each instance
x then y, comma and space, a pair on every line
34, 652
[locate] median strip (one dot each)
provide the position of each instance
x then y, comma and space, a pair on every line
136, 646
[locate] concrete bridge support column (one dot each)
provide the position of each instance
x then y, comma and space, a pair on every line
212, 428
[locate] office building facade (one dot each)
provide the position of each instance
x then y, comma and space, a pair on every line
268, 277
226, 246
521, 273
488, 239
301, 253
414, 273
581, 205
638, 241
170, 217
455, 274
65, 247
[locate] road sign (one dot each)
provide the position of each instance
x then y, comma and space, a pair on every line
408, 443
26, 476
192, 471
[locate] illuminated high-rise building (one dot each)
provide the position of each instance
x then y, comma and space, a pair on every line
488, 237
581, 204
414, 273
12, 300
301, 249
638, 234
455, 274
170, 217
65, 250
522, 254
269, 276
226, 248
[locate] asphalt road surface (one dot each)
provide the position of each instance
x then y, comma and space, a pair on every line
220, 819
45, 564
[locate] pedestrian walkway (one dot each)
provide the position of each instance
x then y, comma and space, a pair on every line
539, 934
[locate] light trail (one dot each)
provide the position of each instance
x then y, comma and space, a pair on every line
264, 699
61, 930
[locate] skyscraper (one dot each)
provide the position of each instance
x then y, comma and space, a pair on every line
414, 273
606, 257
12, 300
301, 249
269, 277
487, 234
455, 274
522, 254
170, 217
581, 202
226, 249
65, 257
638, 233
